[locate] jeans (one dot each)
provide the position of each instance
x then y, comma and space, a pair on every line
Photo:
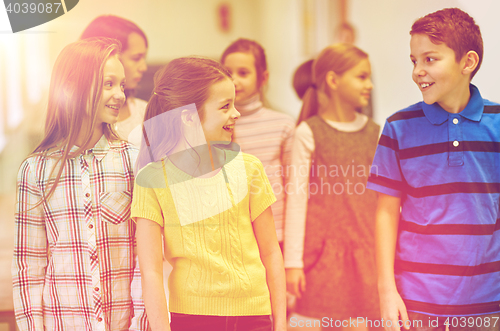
422, 322
184, 322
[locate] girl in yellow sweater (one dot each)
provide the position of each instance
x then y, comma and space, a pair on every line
211, 203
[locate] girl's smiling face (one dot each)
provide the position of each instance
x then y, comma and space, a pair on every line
113, 97
219, 112
242, 69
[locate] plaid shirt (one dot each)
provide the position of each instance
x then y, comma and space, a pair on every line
75, 262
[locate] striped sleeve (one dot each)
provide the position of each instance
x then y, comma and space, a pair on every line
385, 173
30, 252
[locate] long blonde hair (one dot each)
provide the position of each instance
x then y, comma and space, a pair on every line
75, 93
337, 58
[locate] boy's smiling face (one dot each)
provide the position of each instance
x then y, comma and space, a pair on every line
438, 75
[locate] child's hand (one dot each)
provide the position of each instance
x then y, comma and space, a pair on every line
393, 308
295, 281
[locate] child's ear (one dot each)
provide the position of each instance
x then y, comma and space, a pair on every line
471, 61
332, 80
265, 78
188, 117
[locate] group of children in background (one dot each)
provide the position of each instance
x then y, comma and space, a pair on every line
219, 183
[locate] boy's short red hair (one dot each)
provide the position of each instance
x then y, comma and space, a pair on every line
453, 27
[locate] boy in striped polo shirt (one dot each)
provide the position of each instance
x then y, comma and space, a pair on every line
437, 173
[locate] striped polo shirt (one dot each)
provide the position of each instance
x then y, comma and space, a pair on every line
446, 169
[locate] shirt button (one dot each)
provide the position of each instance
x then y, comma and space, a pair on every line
96, 289
455, 121
87, 195
90, 226
455, 143
99, 319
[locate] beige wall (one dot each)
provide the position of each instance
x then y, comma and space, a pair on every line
189, 27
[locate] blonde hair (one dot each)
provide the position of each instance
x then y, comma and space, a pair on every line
75, 93
337, 58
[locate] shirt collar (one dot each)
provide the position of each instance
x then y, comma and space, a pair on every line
99, 150
473, 111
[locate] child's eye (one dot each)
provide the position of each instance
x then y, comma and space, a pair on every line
430, 59
226, 106
414, 62
242, 73
122, 86
108, 83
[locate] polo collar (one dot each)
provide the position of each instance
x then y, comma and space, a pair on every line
473, 111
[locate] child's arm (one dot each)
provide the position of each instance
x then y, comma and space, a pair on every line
297, 189
270, 254
30, 252
139, 320
149, 246
392, 306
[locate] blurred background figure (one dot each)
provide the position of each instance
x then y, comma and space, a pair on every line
302, 78
133, 57
345, 33
329, 230
260, 131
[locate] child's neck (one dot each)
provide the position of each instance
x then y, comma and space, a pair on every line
96, 136
249, 106
337, 112
199, 161
455, 105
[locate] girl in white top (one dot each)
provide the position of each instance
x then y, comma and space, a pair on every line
133, 57
329, 239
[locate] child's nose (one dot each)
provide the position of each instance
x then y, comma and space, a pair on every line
119, 94
143, 66
236, 113
369, 84
418, 70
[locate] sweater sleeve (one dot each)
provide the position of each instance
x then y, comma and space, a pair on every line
297, 195
260, 190
145, 201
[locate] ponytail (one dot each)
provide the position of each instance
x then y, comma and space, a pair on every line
309, 104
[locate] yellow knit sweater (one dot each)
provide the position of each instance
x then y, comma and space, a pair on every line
209, 238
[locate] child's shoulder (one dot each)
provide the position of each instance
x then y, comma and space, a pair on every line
137, 103
238, 160
151, 176
124, 147
274, 114
494, 107
248, 159
410, 112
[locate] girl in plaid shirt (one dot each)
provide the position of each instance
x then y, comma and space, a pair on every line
74, 265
